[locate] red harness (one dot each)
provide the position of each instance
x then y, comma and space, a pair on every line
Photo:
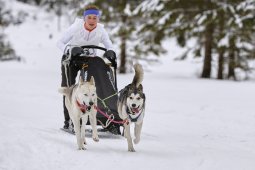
82, 107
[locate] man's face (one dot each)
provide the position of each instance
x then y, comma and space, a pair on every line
91, 21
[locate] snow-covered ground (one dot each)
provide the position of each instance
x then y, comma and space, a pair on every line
190, 124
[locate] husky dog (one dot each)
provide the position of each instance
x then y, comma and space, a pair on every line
80, 101
131, 107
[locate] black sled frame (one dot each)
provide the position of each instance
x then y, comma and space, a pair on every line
105, 79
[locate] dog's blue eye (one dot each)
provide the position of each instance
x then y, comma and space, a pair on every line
85, 94
138, 98
93, 94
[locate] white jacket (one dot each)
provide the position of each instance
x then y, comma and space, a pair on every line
77, 35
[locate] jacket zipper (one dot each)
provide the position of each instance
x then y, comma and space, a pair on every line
88, 36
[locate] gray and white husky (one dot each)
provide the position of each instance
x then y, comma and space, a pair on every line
80, 100
131, 107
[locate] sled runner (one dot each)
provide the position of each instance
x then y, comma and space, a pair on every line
105, 80
69, 130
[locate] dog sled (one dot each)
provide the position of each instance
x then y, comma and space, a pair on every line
105, 80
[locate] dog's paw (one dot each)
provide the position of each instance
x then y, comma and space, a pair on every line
136, 140
82, 148
96, 139
131, 149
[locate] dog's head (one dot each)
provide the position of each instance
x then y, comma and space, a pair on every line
135, 98
87, 93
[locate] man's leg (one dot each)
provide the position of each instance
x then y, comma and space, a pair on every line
68, 77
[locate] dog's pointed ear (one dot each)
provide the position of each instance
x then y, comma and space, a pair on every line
92, 80
81, 81
140, 88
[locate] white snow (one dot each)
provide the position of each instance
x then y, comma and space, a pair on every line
163, 20
190, 123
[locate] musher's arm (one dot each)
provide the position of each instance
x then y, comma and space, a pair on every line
106, 40
66, 37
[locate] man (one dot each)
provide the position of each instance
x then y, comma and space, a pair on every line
86, 31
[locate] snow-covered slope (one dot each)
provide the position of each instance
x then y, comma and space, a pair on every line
190, 124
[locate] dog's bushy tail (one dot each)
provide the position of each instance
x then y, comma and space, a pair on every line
138, 78
65, 90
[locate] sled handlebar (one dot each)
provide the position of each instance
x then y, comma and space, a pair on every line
94, 46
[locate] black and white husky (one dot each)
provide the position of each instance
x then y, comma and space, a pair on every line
131, 107
80, 100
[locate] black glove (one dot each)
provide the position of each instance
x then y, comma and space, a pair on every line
111, 56
76, 51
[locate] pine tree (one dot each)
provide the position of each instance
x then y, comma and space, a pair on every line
235, 28
6, 51
209, 22
119, 17
150, 30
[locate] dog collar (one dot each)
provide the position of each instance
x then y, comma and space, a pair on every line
83, 107
134, 119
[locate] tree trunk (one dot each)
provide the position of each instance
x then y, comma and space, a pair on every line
122, 67
221, 50
123, 34
206, 73
220, 63
231, 62
231, 66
